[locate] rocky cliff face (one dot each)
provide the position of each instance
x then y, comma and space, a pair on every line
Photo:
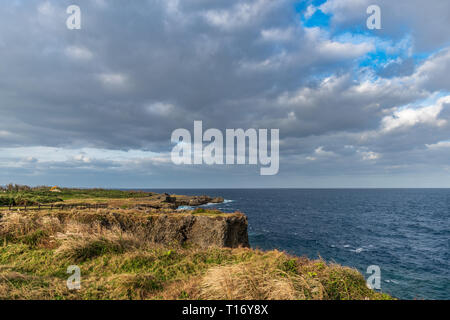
212, 228
202, 230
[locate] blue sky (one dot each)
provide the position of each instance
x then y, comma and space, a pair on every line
96, 107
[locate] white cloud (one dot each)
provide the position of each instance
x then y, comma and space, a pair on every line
78, 53
433, 74
46, 8
369, 155
343, 90
113, 79
332, 49
277, 34
323, 153
439, 145
409, 117
320, 153
4, 133
63, 154
31, 160
341, 50
160, 108
240, 15
343, 10
82, 158
310, 11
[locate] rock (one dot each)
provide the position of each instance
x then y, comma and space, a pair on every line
169, 199
217, 200
204, 231
199, 200
216, 230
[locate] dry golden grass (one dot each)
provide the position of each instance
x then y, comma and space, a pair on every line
18, 286
239, 282
82, 242
189, 289
259, 279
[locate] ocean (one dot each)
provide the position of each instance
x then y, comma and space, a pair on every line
406, 232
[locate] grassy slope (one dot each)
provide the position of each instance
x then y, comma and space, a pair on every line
111, 272
115, 264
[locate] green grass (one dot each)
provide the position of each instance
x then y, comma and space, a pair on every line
27, 198
68, 194
171, 273
42, 195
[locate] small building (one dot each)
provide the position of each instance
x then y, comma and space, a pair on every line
55, 189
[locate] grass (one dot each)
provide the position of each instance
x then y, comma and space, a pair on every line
118, 262
193, 273
22, 195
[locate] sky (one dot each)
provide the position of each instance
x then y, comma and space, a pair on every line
96, 107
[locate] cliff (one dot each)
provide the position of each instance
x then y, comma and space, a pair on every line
202, 229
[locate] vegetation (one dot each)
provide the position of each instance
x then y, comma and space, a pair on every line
205, 211
18, 195
117, 261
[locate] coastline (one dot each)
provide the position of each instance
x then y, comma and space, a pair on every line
154, 251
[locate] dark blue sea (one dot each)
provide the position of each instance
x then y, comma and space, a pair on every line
406, 232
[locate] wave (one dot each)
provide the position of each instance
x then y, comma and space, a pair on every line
204, 205
185, 208
357, 250
225, 201
393, 281
354, 249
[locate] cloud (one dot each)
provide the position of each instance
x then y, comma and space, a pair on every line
310, 10
409, 117
439, 145
323, 153
78, 53
113, 79
161, 109
396, 17
278, 35
46, 8
344, 50
107, 97
433, 73
332, 49
82, 158
240, 14
369, 155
